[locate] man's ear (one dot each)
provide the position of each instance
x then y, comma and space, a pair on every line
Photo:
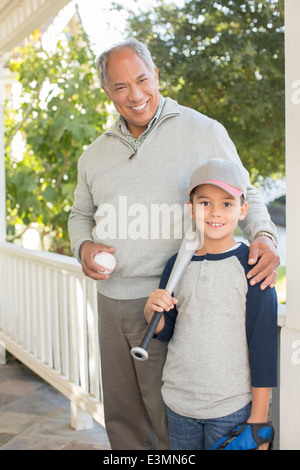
107, 94
243, 213
189, 207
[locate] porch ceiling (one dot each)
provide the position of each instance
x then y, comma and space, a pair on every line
19, 18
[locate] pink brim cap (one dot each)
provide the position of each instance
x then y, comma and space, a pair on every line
227, 187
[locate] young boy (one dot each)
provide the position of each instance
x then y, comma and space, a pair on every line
222, 332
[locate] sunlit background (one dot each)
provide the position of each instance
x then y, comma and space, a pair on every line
105, 25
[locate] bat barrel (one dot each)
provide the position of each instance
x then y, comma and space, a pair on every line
140, 352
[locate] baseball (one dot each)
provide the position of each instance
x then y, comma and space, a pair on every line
107, 260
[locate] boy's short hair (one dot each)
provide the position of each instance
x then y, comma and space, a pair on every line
222, 173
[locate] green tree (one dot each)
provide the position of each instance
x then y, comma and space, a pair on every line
62, 109
225, 58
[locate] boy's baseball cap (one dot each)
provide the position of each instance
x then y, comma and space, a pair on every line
223, 173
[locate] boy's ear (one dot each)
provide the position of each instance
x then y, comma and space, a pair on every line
189, 206
243, 213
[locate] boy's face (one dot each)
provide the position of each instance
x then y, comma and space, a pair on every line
216, 212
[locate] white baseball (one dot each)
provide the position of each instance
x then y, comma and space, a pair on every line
107, 260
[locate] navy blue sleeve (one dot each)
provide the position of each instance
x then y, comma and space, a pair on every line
261, 331
167, 272
170, 317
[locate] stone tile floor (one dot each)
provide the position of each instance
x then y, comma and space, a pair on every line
35, 416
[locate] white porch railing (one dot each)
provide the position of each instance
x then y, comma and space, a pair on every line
48, 320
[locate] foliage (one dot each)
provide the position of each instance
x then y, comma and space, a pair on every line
281, 284
225, 59
61, 110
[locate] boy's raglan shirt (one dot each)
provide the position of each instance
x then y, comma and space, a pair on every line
222, 336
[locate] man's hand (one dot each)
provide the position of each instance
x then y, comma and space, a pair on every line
90, 268
263, 250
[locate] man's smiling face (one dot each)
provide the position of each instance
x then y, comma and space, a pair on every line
133, 89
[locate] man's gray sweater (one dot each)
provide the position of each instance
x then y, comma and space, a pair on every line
137, 205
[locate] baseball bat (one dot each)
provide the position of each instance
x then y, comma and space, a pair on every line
189, 245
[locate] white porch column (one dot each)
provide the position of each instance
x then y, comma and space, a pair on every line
2, 160
290, 342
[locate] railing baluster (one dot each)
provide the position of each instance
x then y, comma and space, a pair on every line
27, 307
92, 333
55, 329
47, 317
82, 333
73, 328
64, 325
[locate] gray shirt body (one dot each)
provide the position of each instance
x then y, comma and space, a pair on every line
207, 373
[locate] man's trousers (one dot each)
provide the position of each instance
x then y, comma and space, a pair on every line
135, 415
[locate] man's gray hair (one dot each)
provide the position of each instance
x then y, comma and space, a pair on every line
140, 49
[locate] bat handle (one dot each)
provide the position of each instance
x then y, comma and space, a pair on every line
140, 352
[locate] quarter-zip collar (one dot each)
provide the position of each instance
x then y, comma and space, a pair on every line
170, 108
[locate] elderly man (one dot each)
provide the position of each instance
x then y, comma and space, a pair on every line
141, 164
